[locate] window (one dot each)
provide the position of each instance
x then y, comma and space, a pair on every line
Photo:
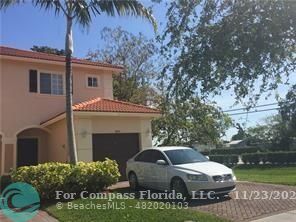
51, 84
183, 156
150, 156
33, 81
92, 81
145, 156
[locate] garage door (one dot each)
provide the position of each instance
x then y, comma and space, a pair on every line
119, 147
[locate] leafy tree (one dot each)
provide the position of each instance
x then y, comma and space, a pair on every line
288, 114
217, 45
49, 50
138, 55
82, 12
188, 122
240, 134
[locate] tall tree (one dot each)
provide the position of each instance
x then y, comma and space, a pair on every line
138, 56
189, 122
82, 12
217, 45
47, 49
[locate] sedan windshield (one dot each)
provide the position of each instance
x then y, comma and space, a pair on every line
183, 156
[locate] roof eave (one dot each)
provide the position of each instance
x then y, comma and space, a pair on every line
116, 70
95, 113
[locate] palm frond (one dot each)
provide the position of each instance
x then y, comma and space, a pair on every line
6, 3
123, 8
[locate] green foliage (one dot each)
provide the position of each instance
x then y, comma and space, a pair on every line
51, 177
189, 122
237, 151
83, 11
270, 157
228, 160
137, 54
221, 45
46, 49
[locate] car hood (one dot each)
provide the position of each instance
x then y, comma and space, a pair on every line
208, 167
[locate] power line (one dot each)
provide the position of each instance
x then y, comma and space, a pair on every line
231, 110
256, 111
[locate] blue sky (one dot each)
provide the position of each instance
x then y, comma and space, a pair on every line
24, 26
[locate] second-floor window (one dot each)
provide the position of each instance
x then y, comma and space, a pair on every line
92, 81
51, 83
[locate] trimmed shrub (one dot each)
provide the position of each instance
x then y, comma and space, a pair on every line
228, 160
51, 177
270, 157
236, 151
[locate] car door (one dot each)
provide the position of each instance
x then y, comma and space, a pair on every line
159, 173
142, 167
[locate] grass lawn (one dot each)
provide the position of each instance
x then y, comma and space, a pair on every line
285, 175
127, 214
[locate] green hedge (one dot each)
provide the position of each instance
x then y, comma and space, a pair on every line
237, 151
270, 157
228, 160
51, 177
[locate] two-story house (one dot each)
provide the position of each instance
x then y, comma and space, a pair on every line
32, 112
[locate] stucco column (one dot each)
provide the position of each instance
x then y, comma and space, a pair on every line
146, 134
9, 154
83, 131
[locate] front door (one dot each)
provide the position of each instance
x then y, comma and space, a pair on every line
27, 152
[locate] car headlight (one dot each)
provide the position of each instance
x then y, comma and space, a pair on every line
197, 177
233, 176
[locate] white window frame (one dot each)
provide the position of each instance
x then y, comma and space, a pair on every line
50, 72
98, 81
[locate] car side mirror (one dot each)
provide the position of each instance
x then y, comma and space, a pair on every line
161, 162
207, 157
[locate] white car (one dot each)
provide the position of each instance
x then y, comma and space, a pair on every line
181, 169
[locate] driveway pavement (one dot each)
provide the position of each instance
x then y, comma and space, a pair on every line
40, 217
251, 201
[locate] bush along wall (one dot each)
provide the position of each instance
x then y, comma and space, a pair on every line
51, 177
270, 157
229, 160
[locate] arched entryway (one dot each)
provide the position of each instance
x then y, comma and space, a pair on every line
32, 147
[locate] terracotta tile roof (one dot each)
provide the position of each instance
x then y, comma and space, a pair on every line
108, 105
7, 51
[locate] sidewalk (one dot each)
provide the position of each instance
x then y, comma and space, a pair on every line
283, 217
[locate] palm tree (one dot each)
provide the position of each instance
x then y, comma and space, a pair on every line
82, 11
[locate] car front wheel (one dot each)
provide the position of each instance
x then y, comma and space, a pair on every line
179, 186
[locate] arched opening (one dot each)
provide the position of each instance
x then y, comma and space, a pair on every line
32, 147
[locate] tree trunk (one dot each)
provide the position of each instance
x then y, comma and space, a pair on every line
69, 102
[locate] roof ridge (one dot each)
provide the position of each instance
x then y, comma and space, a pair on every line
129, 103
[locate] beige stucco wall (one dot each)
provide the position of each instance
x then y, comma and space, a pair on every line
9, 157
86, 126
21, 109
57, 142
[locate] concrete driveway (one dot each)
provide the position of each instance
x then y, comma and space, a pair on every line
250, 201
